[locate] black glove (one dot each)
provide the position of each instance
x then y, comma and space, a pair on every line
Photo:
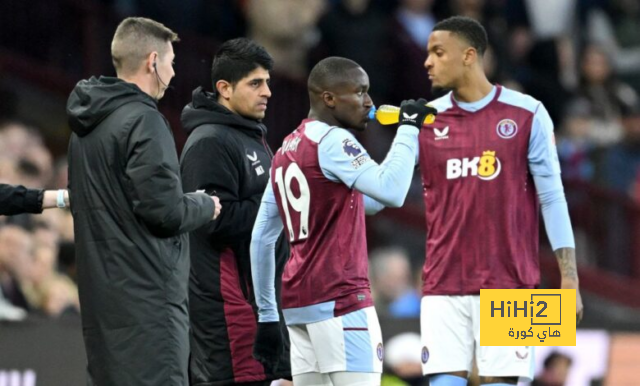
415, 112
268, 345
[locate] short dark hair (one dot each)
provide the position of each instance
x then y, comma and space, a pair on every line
236, 58
328, 71
467, 28
135, 38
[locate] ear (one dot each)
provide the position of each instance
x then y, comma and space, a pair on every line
329, 99
470, 56
224, 88
150, 60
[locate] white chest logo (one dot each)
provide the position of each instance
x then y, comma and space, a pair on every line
441, 134
255, 162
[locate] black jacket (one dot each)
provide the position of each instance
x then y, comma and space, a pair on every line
225, 155
130, 220
18, 199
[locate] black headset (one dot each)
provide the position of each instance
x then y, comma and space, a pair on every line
158, 79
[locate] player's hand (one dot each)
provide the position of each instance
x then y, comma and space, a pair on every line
414, 113
572, 284
268, 345
217, 207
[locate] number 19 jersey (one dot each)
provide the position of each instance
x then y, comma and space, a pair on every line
326, 274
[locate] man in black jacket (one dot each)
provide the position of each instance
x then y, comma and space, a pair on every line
19, 199
131, 216
226, 154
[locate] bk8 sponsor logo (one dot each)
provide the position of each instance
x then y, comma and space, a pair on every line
487, 167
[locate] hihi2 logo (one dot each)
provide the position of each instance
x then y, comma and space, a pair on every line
527, 317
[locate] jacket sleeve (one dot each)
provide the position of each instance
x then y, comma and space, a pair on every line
153, 169
212, 164
18, 199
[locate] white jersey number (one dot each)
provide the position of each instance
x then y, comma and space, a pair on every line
299, 204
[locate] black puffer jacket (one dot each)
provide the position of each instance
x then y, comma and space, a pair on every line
226, 155
130, 220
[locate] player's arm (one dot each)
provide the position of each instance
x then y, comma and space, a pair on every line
152, 168
343, 159
268, 344
372, 206
266, 230
545, 168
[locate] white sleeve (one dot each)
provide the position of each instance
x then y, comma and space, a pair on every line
342, 158
266, 230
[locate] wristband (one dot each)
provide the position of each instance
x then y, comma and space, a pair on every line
60, 199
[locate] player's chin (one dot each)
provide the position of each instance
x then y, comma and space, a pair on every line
439, 89
361, 126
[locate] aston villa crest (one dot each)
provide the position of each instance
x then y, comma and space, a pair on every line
507, 128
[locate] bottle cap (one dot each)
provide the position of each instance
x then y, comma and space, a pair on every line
372, 113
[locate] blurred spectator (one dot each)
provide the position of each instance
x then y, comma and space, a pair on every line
469, 8
618, 172
222, 20
60, 178
403, 361
16, 138
555, 370
287, 29
542, 49
178, 15
392, 284
575, 146
358, 30
616, 28
8, 101
60, 297
15, 260
606, 94
622, 161
411, 27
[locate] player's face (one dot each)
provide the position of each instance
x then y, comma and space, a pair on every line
445, 60
249, 96
352, 101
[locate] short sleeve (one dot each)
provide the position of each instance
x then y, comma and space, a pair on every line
342, 157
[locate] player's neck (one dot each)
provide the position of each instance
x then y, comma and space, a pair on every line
473, 89
323, 117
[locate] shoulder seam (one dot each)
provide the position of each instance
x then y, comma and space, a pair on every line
327, 133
